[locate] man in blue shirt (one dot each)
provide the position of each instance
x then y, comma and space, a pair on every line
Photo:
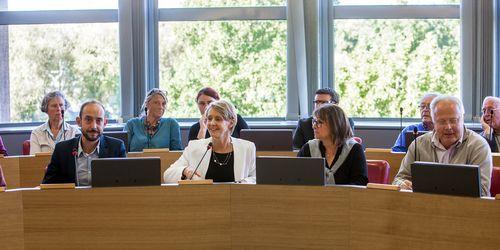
425, 125
70, 162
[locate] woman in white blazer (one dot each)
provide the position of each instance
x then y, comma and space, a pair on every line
227, 159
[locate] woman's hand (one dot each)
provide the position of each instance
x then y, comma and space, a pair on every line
407, 185
203, 127
188, 173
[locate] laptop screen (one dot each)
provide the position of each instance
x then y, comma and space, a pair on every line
119, 172
290, 170
450, 179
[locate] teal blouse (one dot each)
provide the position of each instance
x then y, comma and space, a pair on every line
168, 135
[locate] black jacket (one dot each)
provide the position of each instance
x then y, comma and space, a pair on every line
62, 167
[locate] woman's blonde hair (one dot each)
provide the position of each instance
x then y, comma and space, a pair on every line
337, 121
225, 109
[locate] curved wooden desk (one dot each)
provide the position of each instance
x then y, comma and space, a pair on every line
245, 216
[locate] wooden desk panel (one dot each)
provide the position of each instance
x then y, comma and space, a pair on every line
10, 167
266, 216
32, 169
245, 216
380, 219
496, 159
11, 217
125, 218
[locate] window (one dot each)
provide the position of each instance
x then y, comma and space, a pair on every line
51, 48
383, 64
242, 57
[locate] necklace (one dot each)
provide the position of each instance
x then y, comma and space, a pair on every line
151, 128
217, 161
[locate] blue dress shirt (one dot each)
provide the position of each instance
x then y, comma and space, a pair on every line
400, 144
168, 135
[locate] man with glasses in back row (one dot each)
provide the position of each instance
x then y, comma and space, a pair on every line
425, 125
491, 122
304, 131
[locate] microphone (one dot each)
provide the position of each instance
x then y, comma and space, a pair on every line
64, 133
415, 135
75, 153
400, 118
491, 122
209, 146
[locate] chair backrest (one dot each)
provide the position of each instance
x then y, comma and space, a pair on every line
358, 139
26, 147
495, 181
378, 171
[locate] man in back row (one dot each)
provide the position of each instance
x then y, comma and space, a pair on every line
70, 162
491, 122
449, 143
304, 131
425, 125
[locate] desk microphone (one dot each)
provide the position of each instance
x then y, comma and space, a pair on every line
209, 146
74, 152
400, 118
64, 132
415, 135
491, 122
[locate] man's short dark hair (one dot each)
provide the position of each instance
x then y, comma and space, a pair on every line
334, 97
91, 102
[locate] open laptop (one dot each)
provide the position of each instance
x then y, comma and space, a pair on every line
450, 179
290, 170
409, 137
120, 172
269, 139
122, 135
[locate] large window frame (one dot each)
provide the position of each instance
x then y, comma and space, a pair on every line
55, 17
309, 61
476, 42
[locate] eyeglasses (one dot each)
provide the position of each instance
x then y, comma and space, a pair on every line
317, 123
452, 121
317, 102
424, 106
488, 111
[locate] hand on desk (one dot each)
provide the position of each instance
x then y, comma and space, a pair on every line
188, 173
406, 184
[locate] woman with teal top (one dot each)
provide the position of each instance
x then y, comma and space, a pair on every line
151, 130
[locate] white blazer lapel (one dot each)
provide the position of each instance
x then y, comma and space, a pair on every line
239, 159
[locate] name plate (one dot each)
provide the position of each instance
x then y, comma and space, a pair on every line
196, 182
383, 186
155, 150
58, 186
38, 154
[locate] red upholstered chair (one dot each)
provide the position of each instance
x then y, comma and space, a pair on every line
358, 139
26, 147
495, 181
378, 171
